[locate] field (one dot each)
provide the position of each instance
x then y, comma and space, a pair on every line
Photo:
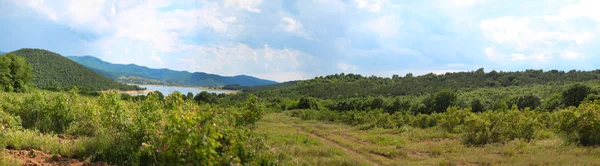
334, 120
313, 142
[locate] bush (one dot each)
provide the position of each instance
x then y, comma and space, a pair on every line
581, 125
575, 94
308, 103
454, 119
493, 127
528, 101
440, 101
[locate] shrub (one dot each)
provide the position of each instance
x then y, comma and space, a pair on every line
440, 101
494, 126
454, 119
307, 103
575, 94
581, 125
528, 101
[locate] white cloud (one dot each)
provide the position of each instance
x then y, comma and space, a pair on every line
537, 37
518, 57
293, 26
570, 55
583, 8
230, 19
370, 5
156, 58
464, 3
236, 58
523, 34
249, 5
346, 67
386, 26
40, 7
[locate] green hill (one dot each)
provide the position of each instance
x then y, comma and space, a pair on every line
119, 71
53, 71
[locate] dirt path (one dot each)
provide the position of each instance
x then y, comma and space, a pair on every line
352, 152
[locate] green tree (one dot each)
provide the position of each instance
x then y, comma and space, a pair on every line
15, 73
575, 94
190, 96
308, 103
205, 97
440, 101
532, 101
477, 106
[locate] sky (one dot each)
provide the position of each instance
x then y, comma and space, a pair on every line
286, 40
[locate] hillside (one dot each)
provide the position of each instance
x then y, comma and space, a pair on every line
340, 86
53, 71
119, 71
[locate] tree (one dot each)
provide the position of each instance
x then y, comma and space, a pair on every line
575, 94
15, 73
308, 103
529, 101
477, 106
440, 101
189, 96
205, 97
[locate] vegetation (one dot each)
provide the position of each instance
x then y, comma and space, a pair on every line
55, 72
15, 73
147, 132
513, 118
171, 77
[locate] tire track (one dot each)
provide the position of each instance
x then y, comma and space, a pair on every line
366, 158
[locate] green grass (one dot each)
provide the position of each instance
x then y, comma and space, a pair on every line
296, 147
412, 146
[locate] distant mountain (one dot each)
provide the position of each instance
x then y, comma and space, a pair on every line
1, 52
53, 71
124, 72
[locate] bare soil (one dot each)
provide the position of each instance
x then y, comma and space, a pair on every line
38, 158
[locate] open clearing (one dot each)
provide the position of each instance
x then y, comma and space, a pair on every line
321, 143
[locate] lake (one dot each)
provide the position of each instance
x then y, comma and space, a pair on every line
184, 90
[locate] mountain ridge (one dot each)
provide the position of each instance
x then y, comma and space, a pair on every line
118, 71
56, 72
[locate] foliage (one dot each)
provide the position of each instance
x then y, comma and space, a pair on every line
528, 101
152, 131
55, 72
307, 103
581, 125
575, 94
15, 73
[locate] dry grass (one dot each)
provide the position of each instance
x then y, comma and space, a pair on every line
410, 146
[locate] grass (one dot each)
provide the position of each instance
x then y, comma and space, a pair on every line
297, 147
409, 146
48, 143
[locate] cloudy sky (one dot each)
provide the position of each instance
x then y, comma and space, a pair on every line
299, 39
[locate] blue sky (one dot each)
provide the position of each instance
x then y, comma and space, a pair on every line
299, 39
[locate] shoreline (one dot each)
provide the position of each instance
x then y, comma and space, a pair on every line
195, 87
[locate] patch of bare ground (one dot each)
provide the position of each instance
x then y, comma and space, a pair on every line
39, 158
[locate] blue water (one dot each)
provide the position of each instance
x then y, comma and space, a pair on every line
170, 89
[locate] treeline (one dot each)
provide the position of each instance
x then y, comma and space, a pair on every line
539, 97
341, 86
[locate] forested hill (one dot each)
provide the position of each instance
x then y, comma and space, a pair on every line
53, 71
340, 86
116, 71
